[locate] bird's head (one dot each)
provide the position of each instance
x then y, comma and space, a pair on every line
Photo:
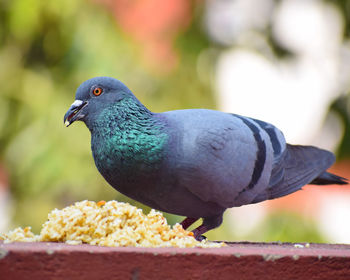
94, 95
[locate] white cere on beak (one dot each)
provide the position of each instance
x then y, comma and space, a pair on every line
77, 103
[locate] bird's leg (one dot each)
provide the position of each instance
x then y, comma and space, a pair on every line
186, 223
208, 224
197, 232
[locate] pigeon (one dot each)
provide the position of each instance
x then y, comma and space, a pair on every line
195, 162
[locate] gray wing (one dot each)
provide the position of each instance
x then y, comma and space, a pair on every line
234, 160
279, 146
222, 158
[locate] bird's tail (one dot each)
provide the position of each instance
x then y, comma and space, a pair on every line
301, 165
327, 178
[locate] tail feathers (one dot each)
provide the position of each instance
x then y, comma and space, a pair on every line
327, 178
299, 166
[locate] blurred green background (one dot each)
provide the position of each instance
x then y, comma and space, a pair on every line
47, 48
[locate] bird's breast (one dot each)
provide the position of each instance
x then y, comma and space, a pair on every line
129, 154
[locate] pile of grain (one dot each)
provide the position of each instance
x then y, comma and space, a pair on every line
109, 224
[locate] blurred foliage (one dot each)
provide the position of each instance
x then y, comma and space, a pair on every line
342, 107
344, 8
287, 227
47, 48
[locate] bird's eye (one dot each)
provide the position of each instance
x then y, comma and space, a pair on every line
97, 91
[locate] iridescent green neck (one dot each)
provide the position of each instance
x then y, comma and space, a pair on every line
127, 136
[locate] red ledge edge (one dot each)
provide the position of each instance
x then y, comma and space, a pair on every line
239, 260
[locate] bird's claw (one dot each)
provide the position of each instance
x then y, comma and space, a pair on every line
200, 237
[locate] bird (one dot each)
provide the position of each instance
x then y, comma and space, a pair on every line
193, 162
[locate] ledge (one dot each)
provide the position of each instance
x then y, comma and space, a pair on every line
241, 260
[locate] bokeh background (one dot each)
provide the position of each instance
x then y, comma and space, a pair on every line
283, 61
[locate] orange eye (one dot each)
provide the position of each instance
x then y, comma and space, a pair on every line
97, 91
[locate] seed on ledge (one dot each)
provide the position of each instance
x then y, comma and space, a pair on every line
101, 203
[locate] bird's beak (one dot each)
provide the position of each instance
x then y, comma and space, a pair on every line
74, 112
